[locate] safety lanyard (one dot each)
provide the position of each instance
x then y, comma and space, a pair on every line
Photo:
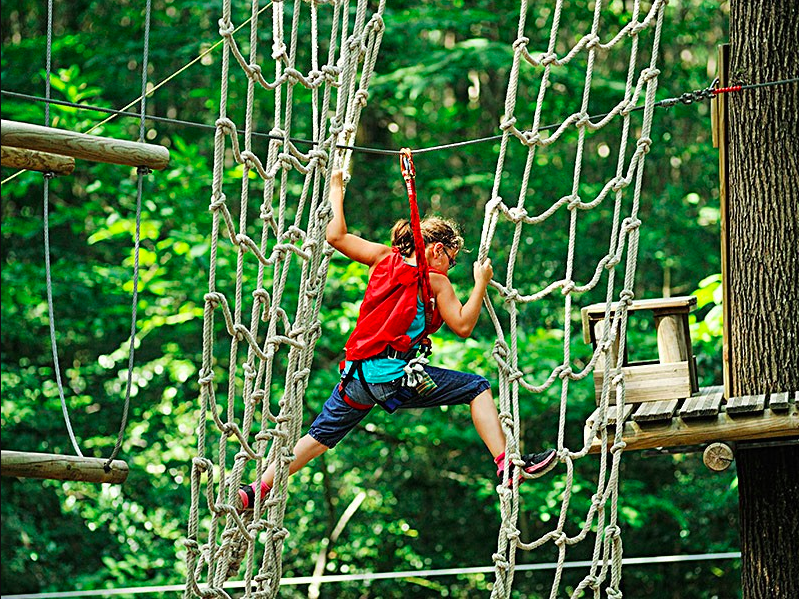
409, 174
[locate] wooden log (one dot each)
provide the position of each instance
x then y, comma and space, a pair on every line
25, 464
763, 425
718, 456
80, 145
672, 344
31, 160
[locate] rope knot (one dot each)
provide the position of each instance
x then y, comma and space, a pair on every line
649, 73
240, 331
517, 213
574, 202
206, 377
618, 446
561, 540
626, 296
582, 120
507, 123
592, 41
278, 50
548, 58
254, 70
591, 581
213, 299
500, 561
361, 96
630, 223
618, 184
567, 288
565, 372
226, 27
493, 204
331, 73
532, 138
614, 593
226, 126
520, 43
645, 143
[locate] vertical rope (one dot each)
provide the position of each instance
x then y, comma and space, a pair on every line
46, 226
140, 173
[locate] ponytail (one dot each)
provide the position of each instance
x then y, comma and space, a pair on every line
434, 229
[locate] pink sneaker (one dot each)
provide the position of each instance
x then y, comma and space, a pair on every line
535, 464
247, 494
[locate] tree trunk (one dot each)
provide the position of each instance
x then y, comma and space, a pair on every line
763, 280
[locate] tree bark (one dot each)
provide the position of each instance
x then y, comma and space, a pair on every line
763, 280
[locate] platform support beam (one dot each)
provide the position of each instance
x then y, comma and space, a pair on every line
23, 464
82, 146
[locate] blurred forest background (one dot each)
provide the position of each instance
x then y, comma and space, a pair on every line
429, 483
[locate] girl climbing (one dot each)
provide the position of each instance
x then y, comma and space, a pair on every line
386, 361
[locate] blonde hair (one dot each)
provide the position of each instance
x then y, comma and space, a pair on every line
434, 229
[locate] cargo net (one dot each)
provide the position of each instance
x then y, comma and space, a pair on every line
251, 397
511, 224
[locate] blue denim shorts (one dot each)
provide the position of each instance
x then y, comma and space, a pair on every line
341, 413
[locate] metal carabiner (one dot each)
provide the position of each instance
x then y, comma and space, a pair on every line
406, 164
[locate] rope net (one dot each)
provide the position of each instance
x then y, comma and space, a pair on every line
282, 244
506, 221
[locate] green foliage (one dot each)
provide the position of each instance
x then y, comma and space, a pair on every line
428, 482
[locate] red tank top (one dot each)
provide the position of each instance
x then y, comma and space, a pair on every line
388, 309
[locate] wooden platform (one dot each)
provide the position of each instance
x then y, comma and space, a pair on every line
705, 417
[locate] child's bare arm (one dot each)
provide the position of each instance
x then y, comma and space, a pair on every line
354, 247
462, 318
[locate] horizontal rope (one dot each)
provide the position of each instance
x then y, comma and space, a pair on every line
628, 561
685, 98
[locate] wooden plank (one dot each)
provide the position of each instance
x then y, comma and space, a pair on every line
655, 410
612, 413
31, 160
80, 145
706, 404
679, 432
651, 382
25, 464
778, 402
672, 304
746, 404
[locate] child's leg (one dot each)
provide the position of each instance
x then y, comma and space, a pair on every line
486, 422
306, 449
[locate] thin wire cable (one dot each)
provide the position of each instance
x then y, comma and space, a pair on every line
46, 227
686, 98
369, 576
155, 88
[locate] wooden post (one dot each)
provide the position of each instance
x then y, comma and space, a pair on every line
720, 140
31, 160
85, 147
25, 464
